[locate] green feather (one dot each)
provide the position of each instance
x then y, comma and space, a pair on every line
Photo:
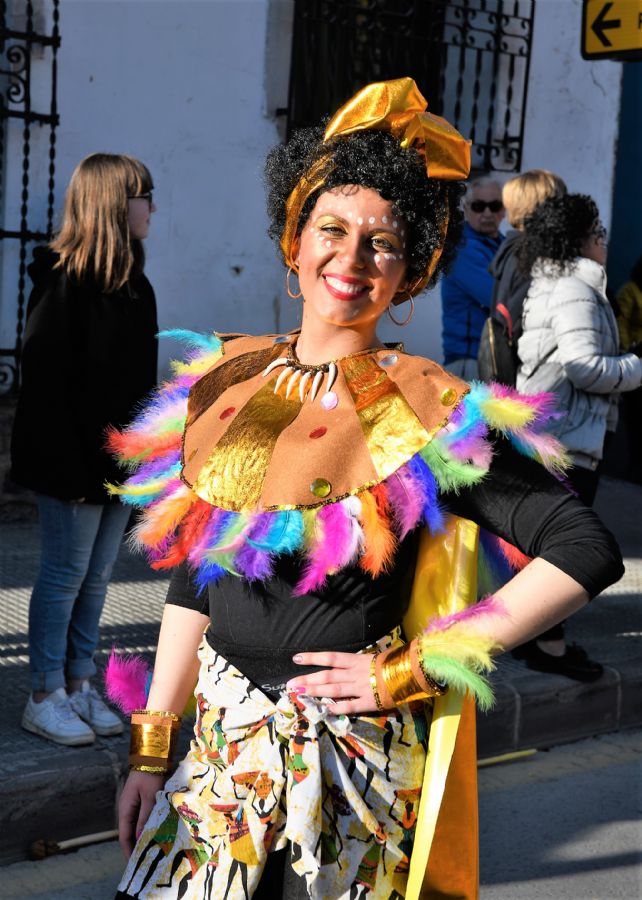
451, 475
460, 678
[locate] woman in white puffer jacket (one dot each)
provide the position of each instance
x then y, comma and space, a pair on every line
570, 340
570, 346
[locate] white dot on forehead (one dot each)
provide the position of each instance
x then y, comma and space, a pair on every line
371, 220
384, 219
359, 221
395, 223
349, 214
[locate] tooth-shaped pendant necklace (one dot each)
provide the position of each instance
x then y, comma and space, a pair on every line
309, 378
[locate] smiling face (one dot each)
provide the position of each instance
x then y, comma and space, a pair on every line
352, 257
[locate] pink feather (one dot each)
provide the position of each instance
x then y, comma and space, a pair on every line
330, 551
489, 606
406, 499
126, 681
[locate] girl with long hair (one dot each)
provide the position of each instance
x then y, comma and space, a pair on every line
89, 357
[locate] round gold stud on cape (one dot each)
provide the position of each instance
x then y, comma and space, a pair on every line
388, 360
320, 487
448, 396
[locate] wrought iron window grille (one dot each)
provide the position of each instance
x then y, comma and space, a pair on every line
20, 114
470, 59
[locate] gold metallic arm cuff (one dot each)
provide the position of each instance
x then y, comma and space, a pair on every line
400, 680
153, 739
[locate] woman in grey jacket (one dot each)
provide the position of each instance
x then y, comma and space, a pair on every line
570, 346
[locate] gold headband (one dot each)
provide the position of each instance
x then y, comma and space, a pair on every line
397, 107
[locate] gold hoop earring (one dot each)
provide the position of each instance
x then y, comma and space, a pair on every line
288, 288
408, 317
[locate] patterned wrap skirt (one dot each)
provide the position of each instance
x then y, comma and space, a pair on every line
342, 792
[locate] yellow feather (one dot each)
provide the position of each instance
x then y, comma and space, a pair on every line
506, 412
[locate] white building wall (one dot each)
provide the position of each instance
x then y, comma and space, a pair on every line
181, 85
189, 86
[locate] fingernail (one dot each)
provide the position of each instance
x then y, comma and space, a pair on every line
296, 689
298, 657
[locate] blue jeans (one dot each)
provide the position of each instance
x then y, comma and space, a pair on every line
79, 545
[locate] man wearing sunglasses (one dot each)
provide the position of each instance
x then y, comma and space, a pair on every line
467, 290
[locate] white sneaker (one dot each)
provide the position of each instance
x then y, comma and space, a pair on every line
88, 704
54, 718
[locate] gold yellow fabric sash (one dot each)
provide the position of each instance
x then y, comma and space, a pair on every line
444, 862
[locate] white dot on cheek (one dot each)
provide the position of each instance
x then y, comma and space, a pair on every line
328, 243
371, 220
384, 219
394, 224
377, 258
359, 221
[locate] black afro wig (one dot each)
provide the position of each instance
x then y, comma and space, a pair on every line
556, 231
372, 159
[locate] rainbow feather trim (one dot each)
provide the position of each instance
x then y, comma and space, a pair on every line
454, 651
177, 526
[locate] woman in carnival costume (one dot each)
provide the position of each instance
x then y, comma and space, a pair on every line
285, 478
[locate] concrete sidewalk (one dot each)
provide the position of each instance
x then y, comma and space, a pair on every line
50, 792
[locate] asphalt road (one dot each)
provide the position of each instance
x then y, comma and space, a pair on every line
564, 824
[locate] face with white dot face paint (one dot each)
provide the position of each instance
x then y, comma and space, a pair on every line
351, 257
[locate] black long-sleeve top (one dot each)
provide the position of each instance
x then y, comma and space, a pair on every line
257, 626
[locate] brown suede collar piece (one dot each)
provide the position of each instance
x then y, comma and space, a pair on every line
247, 448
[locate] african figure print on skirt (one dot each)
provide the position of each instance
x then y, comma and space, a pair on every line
342, 791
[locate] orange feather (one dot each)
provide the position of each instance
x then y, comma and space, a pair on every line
375, 521
188, 534
157, 524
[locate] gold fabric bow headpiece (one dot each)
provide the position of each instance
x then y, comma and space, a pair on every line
398, 107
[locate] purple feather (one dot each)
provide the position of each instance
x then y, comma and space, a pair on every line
253, 563
433, 515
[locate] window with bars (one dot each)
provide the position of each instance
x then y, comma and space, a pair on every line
470, 59
28, 123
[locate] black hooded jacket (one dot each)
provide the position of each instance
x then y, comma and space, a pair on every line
88, 359
511, 285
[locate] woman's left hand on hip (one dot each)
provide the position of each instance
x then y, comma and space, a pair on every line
345, 680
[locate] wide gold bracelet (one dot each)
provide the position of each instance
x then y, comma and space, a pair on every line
373, 683
153, 739
400, 680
